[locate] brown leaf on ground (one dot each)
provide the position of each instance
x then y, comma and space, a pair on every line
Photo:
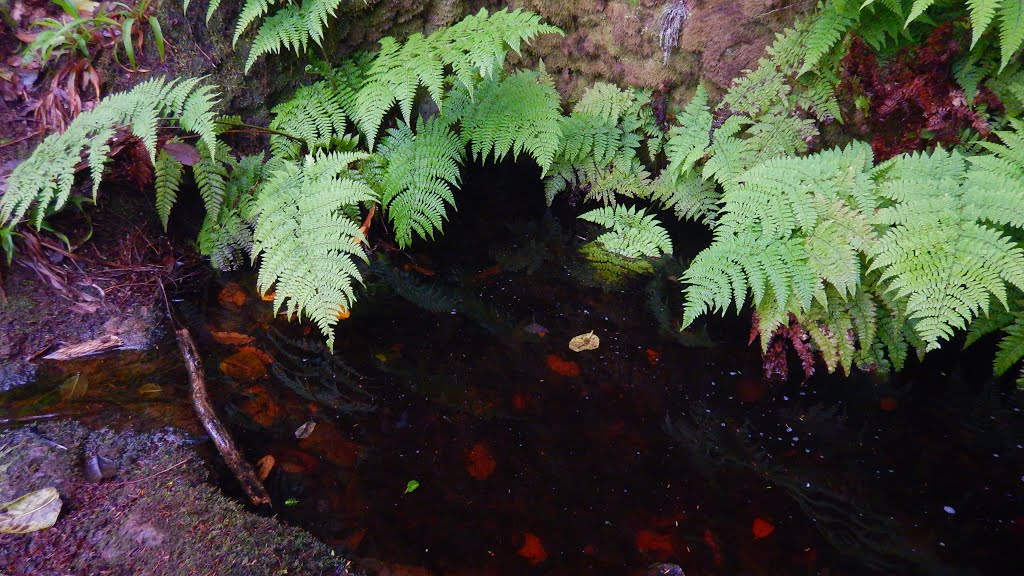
265, 466
260, 406
246, 364
182, 152
583, 342
231, 296
231, 338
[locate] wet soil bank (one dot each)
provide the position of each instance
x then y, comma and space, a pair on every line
158, 515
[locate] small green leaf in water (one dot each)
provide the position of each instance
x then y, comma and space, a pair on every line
74, 387
291, 502
412, 485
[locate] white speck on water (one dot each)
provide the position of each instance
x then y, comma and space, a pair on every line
796, 438
949, 510
785, 398
788, 429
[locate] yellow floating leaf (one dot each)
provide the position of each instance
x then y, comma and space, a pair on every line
150, 389
588, 341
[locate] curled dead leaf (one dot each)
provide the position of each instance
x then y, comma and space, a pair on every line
305, 430
34, 511
98, 467
265, 466
182, 152
588, 341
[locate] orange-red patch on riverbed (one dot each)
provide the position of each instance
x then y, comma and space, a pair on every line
246, 364
479, 462
654, 544
231, 295
563, 367
762, 528
532, 549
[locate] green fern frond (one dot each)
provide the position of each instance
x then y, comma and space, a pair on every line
476, 46
308, 248
833, 21
45, 178
632, 232
517, 114
689, 140
226, 236
421, 170
1011, 346
251, 11
167, 172
600, 143
286, 29
937, 255
982, 13
315, 115
1011, 30
628, 179
690, 197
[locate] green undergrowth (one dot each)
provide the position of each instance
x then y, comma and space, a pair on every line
861, 258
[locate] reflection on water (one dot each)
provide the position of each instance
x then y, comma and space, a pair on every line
455, 431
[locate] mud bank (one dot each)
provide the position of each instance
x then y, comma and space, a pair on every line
159, 515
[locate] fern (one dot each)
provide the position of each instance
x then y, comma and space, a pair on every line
421, 170
43, 181
307, 244
514, 115
600, 145
939, 253
226, 235
167, 173
631, 232
689, 141
473, 49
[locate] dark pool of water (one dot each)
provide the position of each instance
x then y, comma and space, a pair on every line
528, 458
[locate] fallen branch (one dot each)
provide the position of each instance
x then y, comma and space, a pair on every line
221, 438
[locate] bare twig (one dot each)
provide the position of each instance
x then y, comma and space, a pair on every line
218, 433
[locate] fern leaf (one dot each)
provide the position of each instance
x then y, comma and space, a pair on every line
285, 29
305, 241
1011, 30
251, 11
45, 178
167, 183
632, 233
982, 13
826, 30
211, 9
422, 168
1011, 347
690, 198
917, 9
689, 140
514, 115
315, 14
